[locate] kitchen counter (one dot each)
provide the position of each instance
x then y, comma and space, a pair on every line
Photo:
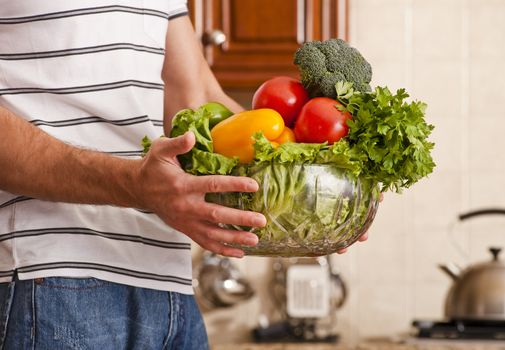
374, 345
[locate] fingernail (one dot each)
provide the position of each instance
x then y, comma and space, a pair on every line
251, 241
237, 254
252, 186
259, 221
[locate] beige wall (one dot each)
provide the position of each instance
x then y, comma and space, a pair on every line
450, 54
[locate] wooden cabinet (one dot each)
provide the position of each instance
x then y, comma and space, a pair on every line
260, 36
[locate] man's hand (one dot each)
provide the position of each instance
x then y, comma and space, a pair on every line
179, 198
364, 236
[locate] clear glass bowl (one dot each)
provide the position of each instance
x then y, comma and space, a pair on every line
311, 210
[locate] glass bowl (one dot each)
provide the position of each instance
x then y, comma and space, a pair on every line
311, 209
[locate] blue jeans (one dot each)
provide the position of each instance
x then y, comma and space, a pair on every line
87, 313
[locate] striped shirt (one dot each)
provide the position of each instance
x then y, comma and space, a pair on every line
88, 72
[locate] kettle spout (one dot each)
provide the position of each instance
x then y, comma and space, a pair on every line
451, 269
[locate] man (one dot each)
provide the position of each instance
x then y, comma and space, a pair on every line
95, 240
90, 256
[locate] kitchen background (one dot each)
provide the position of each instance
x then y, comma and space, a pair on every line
450, 54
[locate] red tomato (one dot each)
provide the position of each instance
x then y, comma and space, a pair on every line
283, 94
320, 121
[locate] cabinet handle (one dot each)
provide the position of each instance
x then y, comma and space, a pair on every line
214, 38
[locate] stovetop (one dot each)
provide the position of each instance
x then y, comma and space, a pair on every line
460, 329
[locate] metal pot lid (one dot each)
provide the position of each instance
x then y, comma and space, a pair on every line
495, 262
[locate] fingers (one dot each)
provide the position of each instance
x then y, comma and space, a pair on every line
221, 235
218, 240
363, 237
218, 248
220, 214
224, 250
223, 183
171, 147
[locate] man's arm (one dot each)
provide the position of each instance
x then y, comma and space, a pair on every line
189, 82
35, 164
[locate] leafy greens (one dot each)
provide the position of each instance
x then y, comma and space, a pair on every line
201, 160
387, 145
387, 141
388, 135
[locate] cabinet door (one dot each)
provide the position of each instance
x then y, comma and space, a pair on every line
259, 37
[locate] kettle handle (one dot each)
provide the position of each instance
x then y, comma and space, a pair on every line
481, 212
466, 216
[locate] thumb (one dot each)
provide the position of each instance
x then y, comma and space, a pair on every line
171, 147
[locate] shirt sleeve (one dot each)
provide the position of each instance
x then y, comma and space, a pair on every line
177, 8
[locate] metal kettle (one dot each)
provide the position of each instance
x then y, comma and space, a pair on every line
219, 283
477, 292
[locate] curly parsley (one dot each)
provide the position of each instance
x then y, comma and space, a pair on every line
388, 135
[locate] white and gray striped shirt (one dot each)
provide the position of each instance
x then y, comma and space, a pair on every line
88, 72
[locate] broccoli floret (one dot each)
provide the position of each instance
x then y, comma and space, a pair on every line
324, 63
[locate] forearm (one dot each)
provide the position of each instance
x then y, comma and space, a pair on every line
189, 81
35, 164
208, 91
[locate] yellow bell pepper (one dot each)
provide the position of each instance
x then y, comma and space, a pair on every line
274, 144
287, 136
233, 137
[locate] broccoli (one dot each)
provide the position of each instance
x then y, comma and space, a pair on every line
324, 63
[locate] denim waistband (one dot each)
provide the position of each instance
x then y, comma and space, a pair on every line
88, 313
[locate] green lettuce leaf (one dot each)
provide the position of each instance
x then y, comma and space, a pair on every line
339, 154
201, 160
205, 163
